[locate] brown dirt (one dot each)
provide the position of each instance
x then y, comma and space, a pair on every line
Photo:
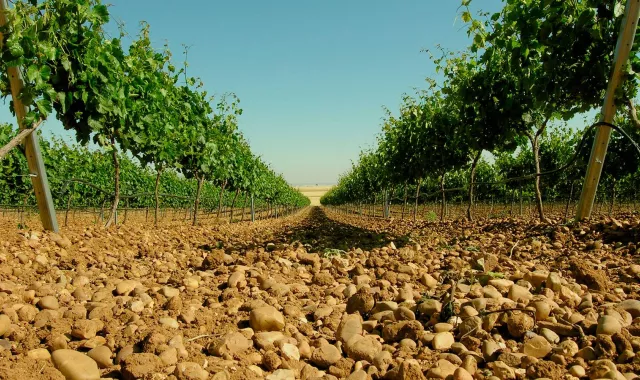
310, 267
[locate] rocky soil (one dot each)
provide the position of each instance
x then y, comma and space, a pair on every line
321, 295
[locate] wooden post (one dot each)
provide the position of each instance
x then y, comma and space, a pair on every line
253, 210
31, 144
601, 142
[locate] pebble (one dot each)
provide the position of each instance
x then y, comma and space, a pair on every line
549, 335
282, 374
363, 348
48, 303
125, 287
442, 341
631, 306
608, 325
39, 354
442, 369
169, 322
462, 374
75, 365
102, 356
518, 323
5, 324
350, 325
537, 347
519, 293
231, 343
266, 318
325, 356
577, 371
290, 351
428, 280
190, 371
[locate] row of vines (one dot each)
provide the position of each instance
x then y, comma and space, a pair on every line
495, 127
157, 129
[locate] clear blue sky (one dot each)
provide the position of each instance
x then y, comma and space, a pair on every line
312, 76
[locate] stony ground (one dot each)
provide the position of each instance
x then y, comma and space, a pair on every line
320, 295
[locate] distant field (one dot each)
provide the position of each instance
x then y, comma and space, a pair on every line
314, 193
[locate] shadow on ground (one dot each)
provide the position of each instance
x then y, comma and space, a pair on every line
320, 232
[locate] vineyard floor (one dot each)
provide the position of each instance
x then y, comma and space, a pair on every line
322, 295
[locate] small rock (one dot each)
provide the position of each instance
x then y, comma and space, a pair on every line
630, 306
48, 303
519, 323
190, 371
363, 348
429, 307
102, 356
125, 287
232, 343
428, 281
578, 371
519, 293
39, 354
608, 325
538, 347
462, 374
442, 341
502, 371
142, 365
325, 356
362, 302
266, 318
549, 335
290, 351
75, 365
169, 322
282, 374
350, 325
442, 370
5, 324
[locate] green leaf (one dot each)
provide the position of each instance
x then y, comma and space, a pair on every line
32, 73
44, 106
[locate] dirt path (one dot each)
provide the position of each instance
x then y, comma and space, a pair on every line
322, 296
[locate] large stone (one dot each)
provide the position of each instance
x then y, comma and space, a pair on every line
266, 318
75, 365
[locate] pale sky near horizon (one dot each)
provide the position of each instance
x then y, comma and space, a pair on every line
312, 77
